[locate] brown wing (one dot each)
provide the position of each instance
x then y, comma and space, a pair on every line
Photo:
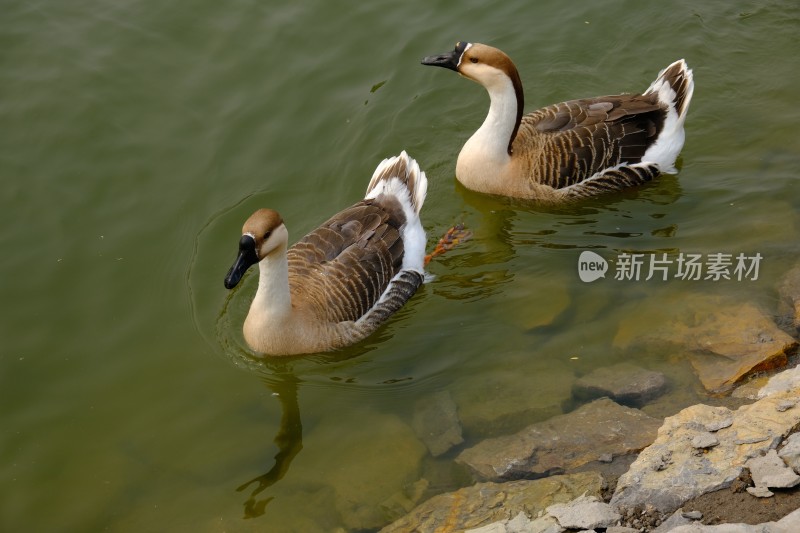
571, 141
338, 271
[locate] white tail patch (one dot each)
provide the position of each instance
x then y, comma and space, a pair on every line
400, 176
674, 87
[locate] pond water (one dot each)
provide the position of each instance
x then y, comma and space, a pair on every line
137, 137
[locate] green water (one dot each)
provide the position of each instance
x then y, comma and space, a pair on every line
135, 138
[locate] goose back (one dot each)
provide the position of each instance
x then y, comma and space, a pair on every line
339, 271
564, 144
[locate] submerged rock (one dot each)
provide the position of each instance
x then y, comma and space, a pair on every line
671, 471
485, 503
587, 434
500, 401
725, 340
624, 383
436, 423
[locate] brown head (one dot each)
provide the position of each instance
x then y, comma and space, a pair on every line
262, 233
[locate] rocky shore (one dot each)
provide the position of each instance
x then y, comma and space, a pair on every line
742, 457
610, 465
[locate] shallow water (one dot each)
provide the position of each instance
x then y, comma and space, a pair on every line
137, 137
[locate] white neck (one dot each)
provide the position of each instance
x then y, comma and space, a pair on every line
273, 300
486, 153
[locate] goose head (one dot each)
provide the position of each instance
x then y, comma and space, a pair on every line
481, 63
262, 234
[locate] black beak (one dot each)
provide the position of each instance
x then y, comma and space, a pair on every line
247, 257
448, 60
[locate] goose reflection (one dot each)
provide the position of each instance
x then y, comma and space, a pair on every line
289, 441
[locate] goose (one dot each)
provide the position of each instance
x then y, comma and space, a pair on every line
570, 150
341, 281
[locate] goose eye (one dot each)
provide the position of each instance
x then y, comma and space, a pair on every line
473, 59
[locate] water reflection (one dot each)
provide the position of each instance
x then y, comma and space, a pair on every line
289, 441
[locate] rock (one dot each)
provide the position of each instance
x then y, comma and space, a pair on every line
675, 519
770, 471
485, 503
790, 453
621, 529
735, 342
544, 524
624, 383
705, 439
521, 524
725, 340
562, 443
791, 522
789, 292
499, 402
788, 524
497, 527
716, 425
436, 423
585, 512
670, 471
760, 492
785, 381
692, 515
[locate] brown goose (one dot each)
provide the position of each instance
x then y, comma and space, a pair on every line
569, 150
342, 280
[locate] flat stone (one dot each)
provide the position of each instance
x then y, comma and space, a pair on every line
485, 503
562, 443
621, 529
499, 402
726, 341
770, 471
685, 474
674, 520
760, 492
521, 524
436, 423
705, 440
734, 343
790, 452
785, 381
624, 383
585, 512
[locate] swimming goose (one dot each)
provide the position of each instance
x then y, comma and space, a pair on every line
569, 150
341, 281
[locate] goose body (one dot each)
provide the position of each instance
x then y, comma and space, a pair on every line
570, 150
341, 281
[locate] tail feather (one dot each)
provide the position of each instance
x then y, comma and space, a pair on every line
679, 79
401, 169
674, 88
